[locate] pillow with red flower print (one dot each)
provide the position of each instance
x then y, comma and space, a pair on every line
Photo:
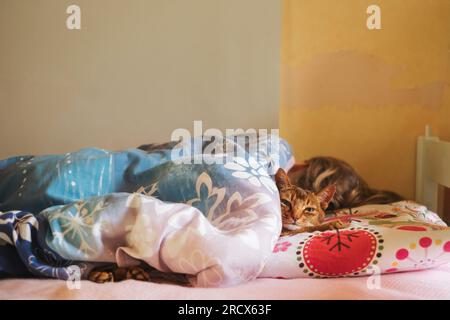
402, 236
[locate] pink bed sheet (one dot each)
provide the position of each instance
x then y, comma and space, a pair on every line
429, 284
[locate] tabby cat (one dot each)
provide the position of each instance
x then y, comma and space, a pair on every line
113, 273
351, 189
144, 272
303, 210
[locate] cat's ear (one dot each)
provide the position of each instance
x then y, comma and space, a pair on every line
282, 179
326, 195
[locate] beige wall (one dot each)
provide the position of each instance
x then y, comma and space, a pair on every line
361, 95
135, 71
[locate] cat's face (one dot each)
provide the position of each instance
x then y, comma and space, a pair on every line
299, 207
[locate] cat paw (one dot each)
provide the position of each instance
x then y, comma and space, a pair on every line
285, 233
339, 224
137, 273
439, 227
101, 276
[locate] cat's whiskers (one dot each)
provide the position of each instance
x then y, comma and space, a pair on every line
306, 224
291, 227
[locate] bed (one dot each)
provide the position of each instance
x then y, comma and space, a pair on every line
428, 284
433, 157
432, 170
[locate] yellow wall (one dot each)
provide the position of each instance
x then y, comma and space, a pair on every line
365, 95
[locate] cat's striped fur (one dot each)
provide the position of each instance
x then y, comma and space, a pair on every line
351, 189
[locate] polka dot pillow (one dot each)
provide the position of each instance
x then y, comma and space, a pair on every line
402, 236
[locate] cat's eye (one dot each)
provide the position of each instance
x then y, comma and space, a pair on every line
309, 210
287, 203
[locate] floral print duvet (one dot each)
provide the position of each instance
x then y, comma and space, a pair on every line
215, 220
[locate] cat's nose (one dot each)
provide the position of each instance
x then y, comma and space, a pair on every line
288, 219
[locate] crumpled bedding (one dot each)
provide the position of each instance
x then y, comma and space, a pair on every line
216, 222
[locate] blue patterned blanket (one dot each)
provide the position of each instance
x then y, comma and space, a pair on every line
215, 220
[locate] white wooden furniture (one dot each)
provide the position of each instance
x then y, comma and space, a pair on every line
433, 169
